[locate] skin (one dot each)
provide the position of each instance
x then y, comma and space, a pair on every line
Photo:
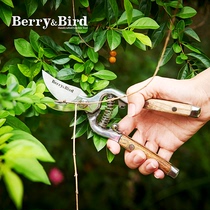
162, 133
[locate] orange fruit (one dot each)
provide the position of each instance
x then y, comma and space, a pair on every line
113, 53
112, 59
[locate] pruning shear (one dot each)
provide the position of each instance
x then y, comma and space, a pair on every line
68, 97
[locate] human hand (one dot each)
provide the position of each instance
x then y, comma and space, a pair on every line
162, 133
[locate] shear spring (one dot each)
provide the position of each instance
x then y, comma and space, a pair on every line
107, 112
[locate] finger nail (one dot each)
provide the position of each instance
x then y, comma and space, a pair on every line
138, 159
131, 110
151, 167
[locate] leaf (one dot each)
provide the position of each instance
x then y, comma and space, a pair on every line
5, 14
144, 23
8, 2
192, 48
105, 74
158, 35
190, 32
84, 3
35, 172
129, 36
176, 47
34, 40
100, 84
61, 59
99, 142
27, 137
76, 58
144, 39
17, 124
81, 129
49, 42
184, 71
79, 67
73, 49
129, 10
92, 55
202, 58
24, 48
114, 39
5, 129
114, 7
84, 78
136, 14
100, 39
110, 156
31, 6
66, 74
2, 48
79, 120
30, 72
167, 56
14, 186
5, 137
186, 12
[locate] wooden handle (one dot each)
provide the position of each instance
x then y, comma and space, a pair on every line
130, 145
172, 107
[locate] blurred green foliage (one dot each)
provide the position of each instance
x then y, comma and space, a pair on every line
113, 186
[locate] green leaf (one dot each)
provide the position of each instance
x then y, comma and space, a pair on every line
49, 42
129, 10
37, 147
35, 172
100, 39
84, 78
100, 84
202, 58
110, 156
30, 72
2, 48
174, 4
76, 58
186, 12
2, 121
73, 49
24, 48
92, 55
84, 3
129, 36
79, 120
144, 39
5, 14
34, 40
136, 14
176, 47
79, 67
114, 7
114, 39
190, 32
144, 23
5, 129
5, 137
31, 6
17, 124
158, 35
14, 186
190, 47
8, 3
61, 59
99, 142
105, 74
167, 55
81, 129
184, 71
66, 74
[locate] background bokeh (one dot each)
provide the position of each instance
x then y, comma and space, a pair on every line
103, 185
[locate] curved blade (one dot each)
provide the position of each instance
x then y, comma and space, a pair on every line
60, 90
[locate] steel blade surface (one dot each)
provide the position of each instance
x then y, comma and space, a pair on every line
60, 90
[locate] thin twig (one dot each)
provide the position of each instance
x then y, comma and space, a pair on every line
74, 159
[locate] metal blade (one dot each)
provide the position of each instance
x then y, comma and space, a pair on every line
60, 90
